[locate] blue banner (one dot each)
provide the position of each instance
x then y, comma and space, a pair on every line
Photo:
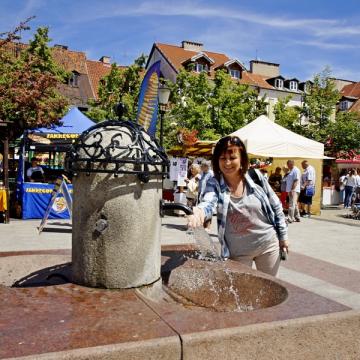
37, 196
148, 99
20, 178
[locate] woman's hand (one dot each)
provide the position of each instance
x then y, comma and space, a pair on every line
284, 244
196, 219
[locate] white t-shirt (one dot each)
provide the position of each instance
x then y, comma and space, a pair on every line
350, 180
357, 180
342, 182
247, 226
308, 175
31, 170
293, 175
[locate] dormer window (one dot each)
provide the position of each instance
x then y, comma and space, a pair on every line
74, 79
279, 83
201, 68
235, 74
293, 85
343, 105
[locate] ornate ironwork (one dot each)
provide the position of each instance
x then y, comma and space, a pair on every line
117, 143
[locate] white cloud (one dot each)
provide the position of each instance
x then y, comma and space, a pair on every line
325, 45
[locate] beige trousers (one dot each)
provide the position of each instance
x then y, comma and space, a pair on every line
293, 211
266, 260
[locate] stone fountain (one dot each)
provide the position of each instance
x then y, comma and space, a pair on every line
124, 297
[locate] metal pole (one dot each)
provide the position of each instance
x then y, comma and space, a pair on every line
6, 177
161, 126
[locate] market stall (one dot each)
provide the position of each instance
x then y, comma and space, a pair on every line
266, 139
49, 146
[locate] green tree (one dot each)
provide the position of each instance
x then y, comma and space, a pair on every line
343, 133
288, 116
319, 105
28, 82
120, 85
212, 107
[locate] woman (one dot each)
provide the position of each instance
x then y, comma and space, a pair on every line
251, 222
350, 184
193, 185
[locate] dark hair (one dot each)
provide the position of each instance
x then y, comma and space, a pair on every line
34, 159
221, 147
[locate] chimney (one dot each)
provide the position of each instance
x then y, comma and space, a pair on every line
105, 60
192, 46
264, 68
62, 47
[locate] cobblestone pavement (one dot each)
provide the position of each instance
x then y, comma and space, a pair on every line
324, 257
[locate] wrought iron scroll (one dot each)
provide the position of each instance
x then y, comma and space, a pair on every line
93, 153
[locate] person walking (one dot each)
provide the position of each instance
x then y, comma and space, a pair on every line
293, 190
342, 183
307, 186
349, 188
251, 221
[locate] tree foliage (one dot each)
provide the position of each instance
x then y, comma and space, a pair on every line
343, 133
120, 85
288, 116
28, 82
213, 108
318, 120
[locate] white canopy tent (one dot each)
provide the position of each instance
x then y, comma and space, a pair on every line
262, 137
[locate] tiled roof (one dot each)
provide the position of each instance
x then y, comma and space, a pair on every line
255, 80
356, 106
176, 55
70, 60
96, 71
351, 90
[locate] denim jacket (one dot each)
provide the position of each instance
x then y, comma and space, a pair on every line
217, 195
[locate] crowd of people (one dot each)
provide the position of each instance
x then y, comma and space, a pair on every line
254, 209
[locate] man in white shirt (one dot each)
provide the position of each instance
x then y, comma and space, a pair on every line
306, 185
35, 173
293, 189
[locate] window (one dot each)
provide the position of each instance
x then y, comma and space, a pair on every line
279, 83
235, 73
201, 68
293, 85
343, 105
74, 79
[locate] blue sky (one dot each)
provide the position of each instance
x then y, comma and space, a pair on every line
302, 36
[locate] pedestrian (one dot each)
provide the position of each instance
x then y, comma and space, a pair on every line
350, 186
293, 190
307, 188
251, 222
205, 175
192, 184
342, 183
284, 198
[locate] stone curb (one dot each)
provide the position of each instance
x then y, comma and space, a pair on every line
155, 349
331, 336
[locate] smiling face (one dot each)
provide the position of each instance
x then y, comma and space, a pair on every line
230, 162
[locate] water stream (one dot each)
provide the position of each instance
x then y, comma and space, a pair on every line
208, 251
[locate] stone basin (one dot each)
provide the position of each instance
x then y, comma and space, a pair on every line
45, 313
214, 286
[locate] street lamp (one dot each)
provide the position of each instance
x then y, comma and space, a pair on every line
163, 96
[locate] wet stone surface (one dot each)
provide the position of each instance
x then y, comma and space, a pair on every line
36, 319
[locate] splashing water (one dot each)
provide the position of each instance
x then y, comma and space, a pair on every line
207, 251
